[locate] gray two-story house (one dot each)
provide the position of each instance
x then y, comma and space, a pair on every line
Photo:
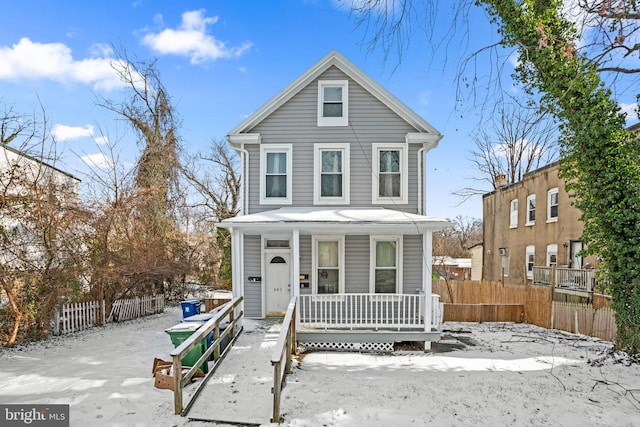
333, 211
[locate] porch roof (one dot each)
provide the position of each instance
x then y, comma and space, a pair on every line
335, 220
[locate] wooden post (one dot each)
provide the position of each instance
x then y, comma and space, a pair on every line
276, 393
177, 385
216, 338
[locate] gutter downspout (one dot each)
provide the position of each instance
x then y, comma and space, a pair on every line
244, 160
422, 183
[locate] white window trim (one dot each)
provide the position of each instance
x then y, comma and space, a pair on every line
334, 121
314, 261
276, 148
527, 222
529, 250
372, 263
549, 193
404, 174
317, 153
513, 215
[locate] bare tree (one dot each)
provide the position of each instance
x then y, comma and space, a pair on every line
42, 245
455, 241
513, 143
215, 177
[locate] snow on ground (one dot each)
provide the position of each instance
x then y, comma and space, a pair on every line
480, 374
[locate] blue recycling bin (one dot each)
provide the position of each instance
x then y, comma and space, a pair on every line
190, 307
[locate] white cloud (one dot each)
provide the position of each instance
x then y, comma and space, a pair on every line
54, 61
66, 133
190, 39
98, 160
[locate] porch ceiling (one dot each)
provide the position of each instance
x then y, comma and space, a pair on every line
335, 220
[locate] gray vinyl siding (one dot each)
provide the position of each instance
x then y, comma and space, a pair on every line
370, 121
252, 267
306, 262
412, 264
357, 262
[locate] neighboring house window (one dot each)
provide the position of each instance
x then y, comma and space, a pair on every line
275, 174
552, 205
333, 103
530, 259
552, 255
328, 262
531, 209
513, 214
331, 177
390, 174
386, 264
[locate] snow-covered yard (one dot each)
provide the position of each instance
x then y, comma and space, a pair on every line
486, 374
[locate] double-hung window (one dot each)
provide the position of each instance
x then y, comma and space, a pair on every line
513, 214
331, 176
275, 174
390, 175
530, 259
531, 209
333, 103
386, 264
552, 205
328, 262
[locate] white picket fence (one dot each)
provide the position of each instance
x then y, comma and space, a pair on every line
127, 309
83, 315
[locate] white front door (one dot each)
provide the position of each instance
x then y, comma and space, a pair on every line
278, 283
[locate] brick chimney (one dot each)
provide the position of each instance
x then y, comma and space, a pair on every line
501, 180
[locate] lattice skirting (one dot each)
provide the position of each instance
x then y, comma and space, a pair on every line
347, 346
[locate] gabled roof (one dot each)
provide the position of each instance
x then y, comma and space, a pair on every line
334, 58
33, 159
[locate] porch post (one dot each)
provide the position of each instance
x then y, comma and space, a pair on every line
237, 264
427, 248
295, 255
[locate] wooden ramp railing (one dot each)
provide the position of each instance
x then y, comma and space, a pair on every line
281, 359
233, 311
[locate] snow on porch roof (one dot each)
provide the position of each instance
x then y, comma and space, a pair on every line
347, 220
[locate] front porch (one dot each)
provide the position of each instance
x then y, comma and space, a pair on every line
372, 322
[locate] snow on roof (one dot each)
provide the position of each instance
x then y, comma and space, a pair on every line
359, 220
455, 262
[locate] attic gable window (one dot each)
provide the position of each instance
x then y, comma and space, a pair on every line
333, 103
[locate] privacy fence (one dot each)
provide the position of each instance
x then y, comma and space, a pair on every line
484, 301
82, 315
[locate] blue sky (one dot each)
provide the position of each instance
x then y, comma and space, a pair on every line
220, 60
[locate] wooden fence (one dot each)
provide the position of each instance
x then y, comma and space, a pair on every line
75, 317
467, 300
78, 316
127, 309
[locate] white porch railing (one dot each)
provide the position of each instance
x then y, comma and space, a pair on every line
565, 278
371, 311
